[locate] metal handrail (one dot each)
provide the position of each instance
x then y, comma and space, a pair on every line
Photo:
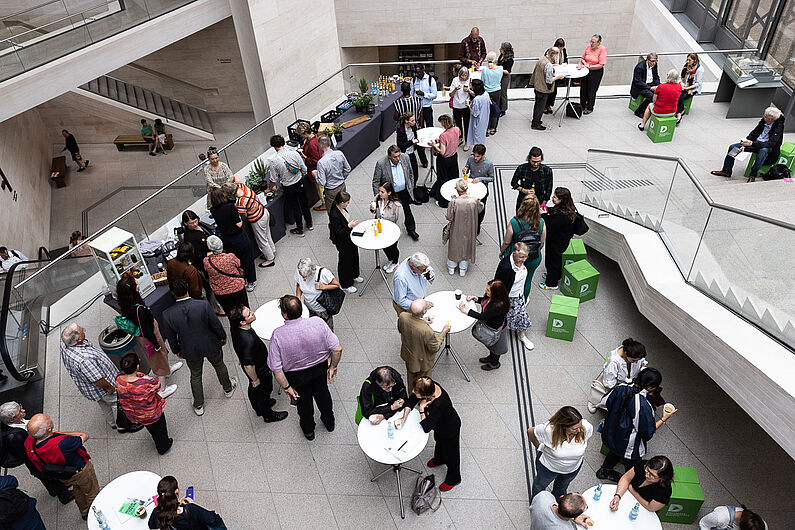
67, 17
30, 9
284, 108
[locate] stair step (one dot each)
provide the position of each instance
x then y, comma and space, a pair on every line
103, 86
93, 86
140, 100
113, 91
159, 108
194, 116
186, 118
149, 101
205, 121
122, 92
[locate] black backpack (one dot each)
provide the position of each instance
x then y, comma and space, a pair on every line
530, 237
13, 505
777, 172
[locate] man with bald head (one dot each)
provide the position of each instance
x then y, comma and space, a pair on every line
472, 50
418, 342
64, 451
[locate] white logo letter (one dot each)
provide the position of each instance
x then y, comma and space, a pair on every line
557, 323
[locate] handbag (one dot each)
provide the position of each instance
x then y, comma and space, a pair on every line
219, 271
331, 299
579, 225
597, 390
424, 494
56, 471
485, 334
446, 233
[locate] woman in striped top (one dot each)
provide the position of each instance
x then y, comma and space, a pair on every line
141, 403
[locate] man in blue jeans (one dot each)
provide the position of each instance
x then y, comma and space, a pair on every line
765, 140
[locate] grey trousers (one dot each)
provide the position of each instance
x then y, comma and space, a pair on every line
262, 233
106, 403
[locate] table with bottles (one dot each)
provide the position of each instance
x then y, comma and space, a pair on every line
138, 487
605, 519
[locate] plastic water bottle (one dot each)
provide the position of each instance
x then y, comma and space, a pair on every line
101, 520
597, 494
634, 513
390, 431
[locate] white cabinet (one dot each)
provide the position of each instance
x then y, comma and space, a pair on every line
117, 253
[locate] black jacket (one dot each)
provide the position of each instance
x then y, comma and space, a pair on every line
775, 137
193, 330
507, 276
339, 231
639, 79
402, 140
374, 400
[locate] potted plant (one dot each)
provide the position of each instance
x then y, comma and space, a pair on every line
364, 98
337, 131
257, 178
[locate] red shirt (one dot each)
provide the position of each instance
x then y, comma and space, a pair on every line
449, 138
667, 98
312, 153
139, 400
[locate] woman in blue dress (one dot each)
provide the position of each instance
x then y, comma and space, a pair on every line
479, 117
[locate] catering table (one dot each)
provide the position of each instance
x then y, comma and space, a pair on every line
605, 519
158, 300
269, 317
445, 309
408, 442
360, 140
390, 233
478, 190
276, 210
571, 71
138, 485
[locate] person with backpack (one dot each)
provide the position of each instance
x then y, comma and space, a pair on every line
175, 513
383, 395
289, 169
517, 277
17, 510
528, 227
560, 229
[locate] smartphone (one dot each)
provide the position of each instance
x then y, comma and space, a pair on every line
189, 492
293, 401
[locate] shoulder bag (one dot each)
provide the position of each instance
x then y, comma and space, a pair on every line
424, 494
330, 299
485, 334
219, 271
56, 471
579, 226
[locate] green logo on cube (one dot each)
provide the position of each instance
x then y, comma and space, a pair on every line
686, 497
579, 281
661, 128
574, 252
562, 317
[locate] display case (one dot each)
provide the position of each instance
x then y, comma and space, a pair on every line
116, 252
746, 67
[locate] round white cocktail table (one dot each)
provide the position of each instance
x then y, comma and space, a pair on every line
445, 308
424, 138
478, 190
570, 71
407, 443
138, 485
390, 233
269, 317
605, 519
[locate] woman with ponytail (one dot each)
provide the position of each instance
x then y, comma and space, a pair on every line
173, 513
629, 424
622, 365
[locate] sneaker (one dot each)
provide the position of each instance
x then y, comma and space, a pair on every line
390, 267
544, 286
462, 272
358, 279
349, 290
176, 366
250, 286
527, 343
591, 408
310, 228
198, 410
232, 390
296, 232
450, 271
170, 389
87, 161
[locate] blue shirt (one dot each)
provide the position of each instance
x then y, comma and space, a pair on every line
398, 178
765, 135
427, 85
407, 286
491, 78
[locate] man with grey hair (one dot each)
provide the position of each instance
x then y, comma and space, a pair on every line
395, 168
765, 140
418, 342
94, 375
332, 170
644, 79
13, 415
409, 281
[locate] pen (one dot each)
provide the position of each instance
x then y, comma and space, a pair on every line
404, 443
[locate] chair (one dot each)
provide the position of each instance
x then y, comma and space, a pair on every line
661, 127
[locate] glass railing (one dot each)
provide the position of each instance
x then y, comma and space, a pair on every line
738, 258
41, 34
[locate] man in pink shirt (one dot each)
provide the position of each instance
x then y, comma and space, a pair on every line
303, 358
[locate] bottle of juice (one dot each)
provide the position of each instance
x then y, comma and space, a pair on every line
379, 225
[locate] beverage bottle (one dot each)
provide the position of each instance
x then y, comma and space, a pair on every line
634, 513
101, 520
379, 226
375, 229
598, 493
390, 431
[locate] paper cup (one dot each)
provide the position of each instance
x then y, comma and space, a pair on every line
458, 294
669, 407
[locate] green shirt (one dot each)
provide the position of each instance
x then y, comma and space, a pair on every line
146, 130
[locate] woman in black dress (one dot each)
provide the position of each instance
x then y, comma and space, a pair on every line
649, 483
560, 230
438, 415
230, 227
494, 306
174, 513
339, 225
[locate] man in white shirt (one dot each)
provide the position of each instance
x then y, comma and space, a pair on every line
566, 514
9, 257
644, 79
424, 86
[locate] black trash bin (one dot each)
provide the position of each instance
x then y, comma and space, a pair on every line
116, 342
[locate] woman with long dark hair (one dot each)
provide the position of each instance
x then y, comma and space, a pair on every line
181, 266
230, 226
494, 307
560, 229
340, 224
387, 205
141, 403
506, 61
560, 450
649, 483
406, 140
175, 513
630, 424
132, 306
622, 366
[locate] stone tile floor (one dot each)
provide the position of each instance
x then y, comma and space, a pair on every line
269, 476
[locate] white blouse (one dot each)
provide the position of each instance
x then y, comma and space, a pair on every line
566, 457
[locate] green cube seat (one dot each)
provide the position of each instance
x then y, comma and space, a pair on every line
579, 281
661, 128
686, 497
574, 252
787, 157
562, 317
634, 103
688, 102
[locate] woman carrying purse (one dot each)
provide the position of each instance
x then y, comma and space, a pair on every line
622, 365
490, 328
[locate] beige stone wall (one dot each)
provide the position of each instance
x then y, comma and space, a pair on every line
26, 158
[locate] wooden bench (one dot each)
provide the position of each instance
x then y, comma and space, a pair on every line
59, 166
137, 139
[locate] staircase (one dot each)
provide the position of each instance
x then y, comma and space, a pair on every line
174, 113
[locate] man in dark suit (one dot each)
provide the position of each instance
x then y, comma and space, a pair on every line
644, 79
194, 332
395, 167
765, 140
